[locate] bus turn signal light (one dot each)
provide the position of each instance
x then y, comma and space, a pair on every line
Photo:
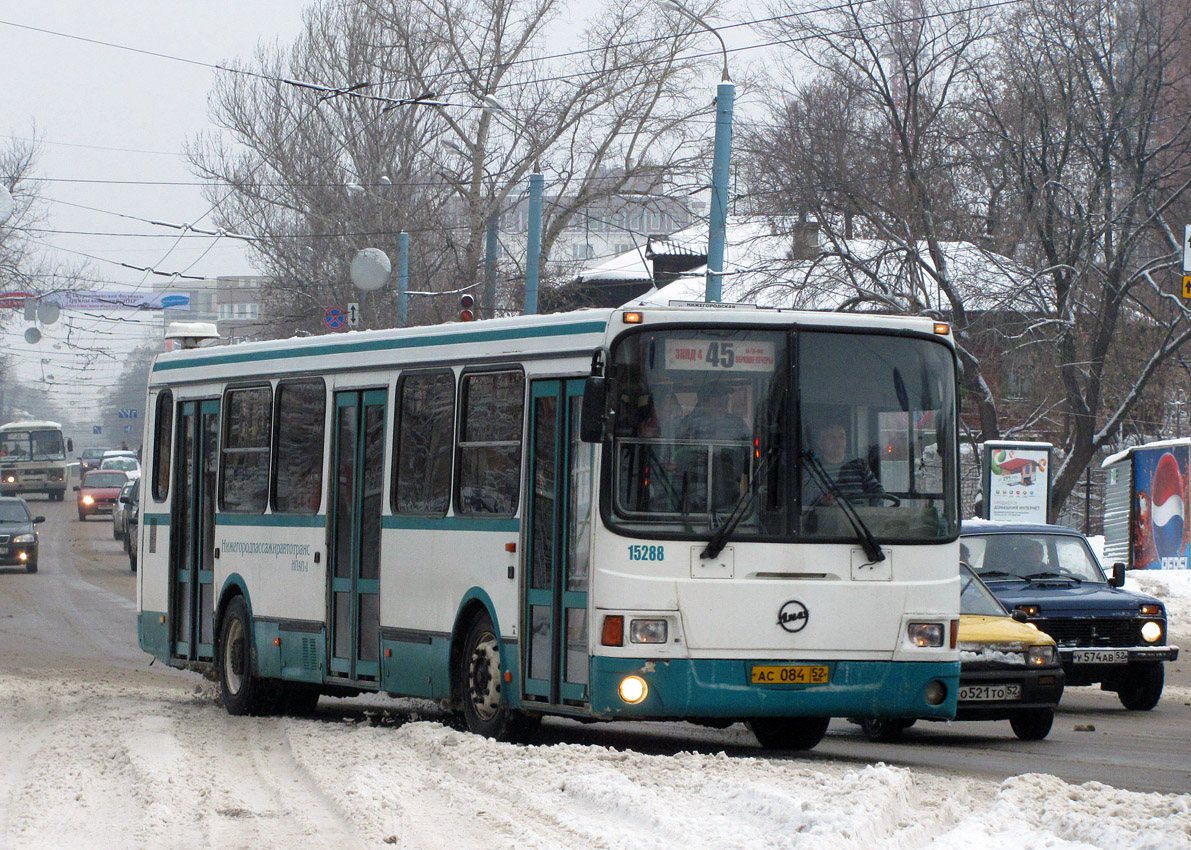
613, 631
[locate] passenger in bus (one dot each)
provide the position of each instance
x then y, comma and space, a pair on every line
853, 477
662, 416
711, 418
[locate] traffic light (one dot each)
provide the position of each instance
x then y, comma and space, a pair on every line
465, 308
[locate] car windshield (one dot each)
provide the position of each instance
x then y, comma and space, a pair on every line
13, 512
105, 479
975, 598
1010, 556
35, 444
758, 433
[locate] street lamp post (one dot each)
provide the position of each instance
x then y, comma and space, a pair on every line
720, 164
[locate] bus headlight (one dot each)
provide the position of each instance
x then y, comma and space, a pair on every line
648, 631
925, 634
1042, 656
10, 479
633, 690
1151, 632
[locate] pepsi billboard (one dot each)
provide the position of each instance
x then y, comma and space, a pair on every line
1160, 533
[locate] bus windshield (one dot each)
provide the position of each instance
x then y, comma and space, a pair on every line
37, 444
785, 433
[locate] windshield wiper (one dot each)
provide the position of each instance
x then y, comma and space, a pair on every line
719, 539
1060, 576
871, 549
987, 574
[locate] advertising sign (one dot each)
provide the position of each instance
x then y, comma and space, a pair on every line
1160, 534
1017, 481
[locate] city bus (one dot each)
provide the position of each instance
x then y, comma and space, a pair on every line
544, 515
33, 459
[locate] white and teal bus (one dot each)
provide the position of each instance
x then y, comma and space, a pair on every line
33, 459
607, 514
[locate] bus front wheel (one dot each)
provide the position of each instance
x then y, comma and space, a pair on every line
789, 733
240, 690
480, 682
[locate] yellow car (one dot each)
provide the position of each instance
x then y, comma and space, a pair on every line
1008, 670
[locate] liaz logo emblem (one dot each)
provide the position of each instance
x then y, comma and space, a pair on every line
793, 616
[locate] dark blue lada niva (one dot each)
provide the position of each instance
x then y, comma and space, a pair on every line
1105, 634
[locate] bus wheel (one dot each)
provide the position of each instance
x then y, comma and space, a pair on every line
240, 691
789, 733
480, 679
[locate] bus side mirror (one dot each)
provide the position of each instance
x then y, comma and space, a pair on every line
70, 445
1118, 575
595, 401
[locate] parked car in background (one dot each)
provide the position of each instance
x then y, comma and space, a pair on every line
120, 511
99, 491
89, 460
131, 536
128, 465
1105, 634
1008, 670
18, 536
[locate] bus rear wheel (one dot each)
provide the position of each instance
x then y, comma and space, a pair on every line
480, 681
241, 691
789, 733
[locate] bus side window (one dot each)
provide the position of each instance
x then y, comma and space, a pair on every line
163, 429
490, 428
244, 464
300, 434
423, 443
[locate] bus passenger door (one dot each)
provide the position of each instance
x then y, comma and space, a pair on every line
558, 547
192, 561
355, 521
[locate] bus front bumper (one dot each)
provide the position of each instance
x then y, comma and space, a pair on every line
721, 689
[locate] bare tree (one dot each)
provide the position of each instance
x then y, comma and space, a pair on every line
877, 144
437, 111
1080, 108
1043, 131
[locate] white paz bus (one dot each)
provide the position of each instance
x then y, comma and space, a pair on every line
33, 459
713, 515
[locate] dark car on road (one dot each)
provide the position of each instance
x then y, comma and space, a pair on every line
90, 459
1105, 634
18, 537
99, 491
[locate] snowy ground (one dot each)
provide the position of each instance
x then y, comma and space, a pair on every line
93, 765
109, 761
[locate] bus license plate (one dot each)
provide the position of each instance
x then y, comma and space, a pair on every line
789, 674
989, 693
1100, 656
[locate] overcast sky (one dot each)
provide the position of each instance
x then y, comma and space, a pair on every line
112, 122
114, 89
